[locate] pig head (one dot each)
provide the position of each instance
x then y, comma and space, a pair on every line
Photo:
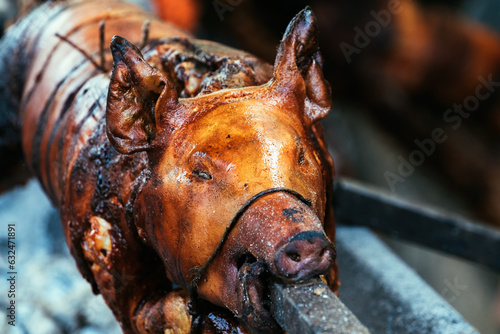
237, 188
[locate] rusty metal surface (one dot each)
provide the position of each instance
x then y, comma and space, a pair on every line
359, 204
312, 309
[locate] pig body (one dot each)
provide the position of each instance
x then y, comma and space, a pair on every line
191, 164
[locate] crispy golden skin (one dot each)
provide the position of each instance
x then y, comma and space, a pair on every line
190, 163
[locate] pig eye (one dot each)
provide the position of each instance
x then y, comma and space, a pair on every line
201, 174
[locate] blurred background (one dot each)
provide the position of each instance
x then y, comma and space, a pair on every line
416, 90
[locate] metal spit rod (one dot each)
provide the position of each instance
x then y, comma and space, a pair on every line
312, 308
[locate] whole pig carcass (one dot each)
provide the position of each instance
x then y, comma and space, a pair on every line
189, 178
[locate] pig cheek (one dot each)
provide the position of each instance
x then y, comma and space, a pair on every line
161, 233
206, 216
184, 241
220, 284
160, 215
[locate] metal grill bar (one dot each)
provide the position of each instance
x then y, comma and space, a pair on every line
355, 203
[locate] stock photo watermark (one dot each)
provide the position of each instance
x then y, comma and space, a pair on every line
452, 117
453, 290
123, 278
11, 274
372, 29
221, 7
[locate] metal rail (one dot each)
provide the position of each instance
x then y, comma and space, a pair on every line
358, 204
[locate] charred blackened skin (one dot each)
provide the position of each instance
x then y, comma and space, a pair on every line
293, 214
191, 164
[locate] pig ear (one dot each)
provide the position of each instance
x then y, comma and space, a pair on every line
134, 91
299, 66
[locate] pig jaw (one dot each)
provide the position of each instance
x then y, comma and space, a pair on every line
278, 238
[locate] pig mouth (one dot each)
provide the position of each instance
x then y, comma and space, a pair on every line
254, 281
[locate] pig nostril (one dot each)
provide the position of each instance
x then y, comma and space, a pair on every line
245, 258
306, 255
295, 257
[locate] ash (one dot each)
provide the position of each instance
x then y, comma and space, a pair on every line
51, 295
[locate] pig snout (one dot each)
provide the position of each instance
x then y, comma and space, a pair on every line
279, 237
288, 236
307, 254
